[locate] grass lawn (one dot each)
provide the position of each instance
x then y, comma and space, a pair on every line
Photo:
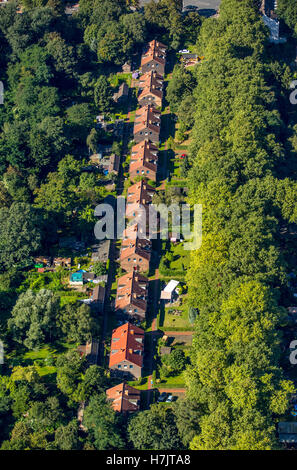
116, 79
178, 266
143, 385
182, 257
176, 381
70, 297
171, 322
44, 359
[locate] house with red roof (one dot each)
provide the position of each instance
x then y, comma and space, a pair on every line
126, 353
136, 254
139, 196
144, 159
124, 398
151, 89
147, 124
154, 58
131, 299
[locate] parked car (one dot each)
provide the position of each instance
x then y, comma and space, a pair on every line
162, 397
169, 399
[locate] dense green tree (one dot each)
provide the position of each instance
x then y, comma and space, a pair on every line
175, 362
77, 324
102, 424
20, 235
66, 437
93, 382
238, 277
45, 416
99, 268
33, 318
180, 86
103, 95
154, 429
70, 369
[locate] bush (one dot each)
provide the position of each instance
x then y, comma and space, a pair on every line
192, 314
99, 268
173, 363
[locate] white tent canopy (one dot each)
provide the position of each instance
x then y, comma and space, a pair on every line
171, 286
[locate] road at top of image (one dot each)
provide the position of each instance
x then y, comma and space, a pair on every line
200, 4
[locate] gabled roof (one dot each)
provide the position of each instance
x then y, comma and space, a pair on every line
132, 290
98, 294
151, 78
146, 148
139, 192
124, 397
132, 232
144, 155
155, 51
127, 344
143, 163
151, 84
136, 246
154, 44
147, 117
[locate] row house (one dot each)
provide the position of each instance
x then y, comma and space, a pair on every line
144, 160
154, 58
124, 398
139, 194
136, 254
126, 352
131, 299
147, 124
151, 89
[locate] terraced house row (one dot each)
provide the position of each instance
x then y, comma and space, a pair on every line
127, 343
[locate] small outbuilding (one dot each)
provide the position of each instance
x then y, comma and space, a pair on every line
169, 292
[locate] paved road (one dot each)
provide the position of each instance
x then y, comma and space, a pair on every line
202, 4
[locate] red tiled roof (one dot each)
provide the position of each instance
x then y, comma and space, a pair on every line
144, 147
124, 397
132, 290
138, 192
151, 84
155, 51
139, 246
144, 155
147, 117
124, 345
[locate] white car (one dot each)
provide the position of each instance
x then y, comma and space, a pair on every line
169, 399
